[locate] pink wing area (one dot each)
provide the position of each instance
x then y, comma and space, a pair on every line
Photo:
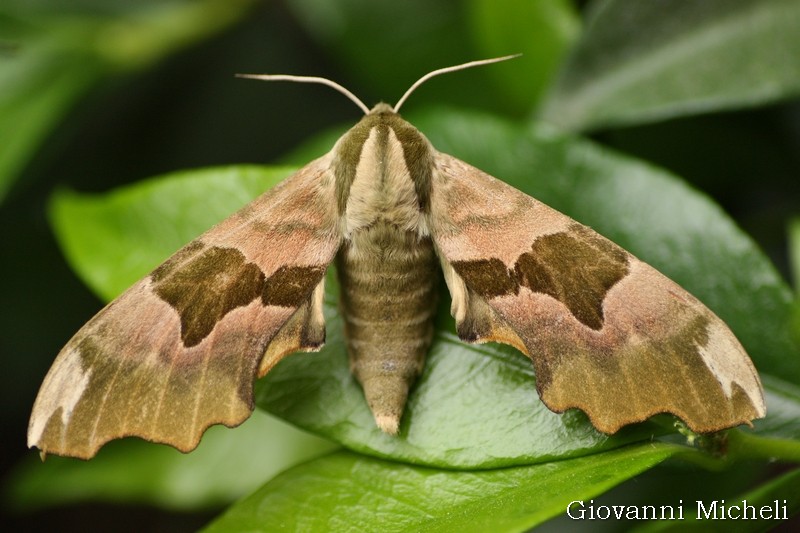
606, 332
179, 350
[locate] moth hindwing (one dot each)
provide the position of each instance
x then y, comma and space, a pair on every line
179, 350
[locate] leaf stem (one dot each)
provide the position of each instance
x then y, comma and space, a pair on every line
743, 445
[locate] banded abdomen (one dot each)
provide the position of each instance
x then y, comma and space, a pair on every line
388, 280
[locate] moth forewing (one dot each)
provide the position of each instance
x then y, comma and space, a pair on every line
179, 351
606, 332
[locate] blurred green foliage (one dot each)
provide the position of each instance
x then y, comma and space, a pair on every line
97, 95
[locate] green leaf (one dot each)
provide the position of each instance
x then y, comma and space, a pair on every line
226, 466
51, 54
344, 491
642, 61
541, 31
114, 239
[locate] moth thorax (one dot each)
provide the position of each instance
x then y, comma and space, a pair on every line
388, 280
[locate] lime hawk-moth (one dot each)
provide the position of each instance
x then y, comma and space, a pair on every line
180, 349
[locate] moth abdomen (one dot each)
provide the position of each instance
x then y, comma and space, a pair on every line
388, 280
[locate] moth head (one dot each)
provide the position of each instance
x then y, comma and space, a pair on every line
380, 107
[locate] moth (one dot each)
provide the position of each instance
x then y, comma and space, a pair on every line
180, 349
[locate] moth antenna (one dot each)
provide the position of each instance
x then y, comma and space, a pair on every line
308, 79
445, 70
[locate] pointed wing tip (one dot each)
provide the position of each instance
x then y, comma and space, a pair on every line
42, 453
34, 442
760, 409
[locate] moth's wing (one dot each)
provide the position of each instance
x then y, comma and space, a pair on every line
179, 350
607, 333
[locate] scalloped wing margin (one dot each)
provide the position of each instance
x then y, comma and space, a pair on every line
179, 350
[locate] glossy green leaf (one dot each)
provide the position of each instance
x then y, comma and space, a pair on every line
640, 61
226, 466
51, 54
541, 31
348, 492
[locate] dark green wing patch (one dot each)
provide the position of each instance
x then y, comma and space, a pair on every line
289, 286
576, 267
204, 288
488, 277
